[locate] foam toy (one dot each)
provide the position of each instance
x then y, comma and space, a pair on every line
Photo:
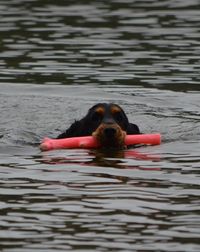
89, 142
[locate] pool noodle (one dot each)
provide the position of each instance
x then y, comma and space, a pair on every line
89, 142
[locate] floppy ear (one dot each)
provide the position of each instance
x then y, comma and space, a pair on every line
74, 130
83, 127
132, 129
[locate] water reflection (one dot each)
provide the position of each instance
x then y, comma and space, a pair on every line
135, 53
100, 158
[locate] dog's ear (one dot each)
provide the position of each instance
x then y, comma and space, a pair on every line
132, 129
74, 130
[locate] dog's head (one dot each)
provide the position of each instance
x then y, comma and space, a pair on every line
108, 123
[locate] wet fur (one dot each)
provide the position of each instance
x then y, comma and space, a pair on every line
102, 118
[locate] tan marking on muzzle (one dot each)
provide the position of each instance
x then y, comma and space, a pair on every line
118, 139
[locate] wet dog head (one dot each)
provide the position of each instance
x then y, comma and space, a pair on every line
110, 123
105, 121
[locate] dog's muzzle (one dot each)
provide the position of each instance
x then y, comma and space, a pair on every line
110, 135
109, 132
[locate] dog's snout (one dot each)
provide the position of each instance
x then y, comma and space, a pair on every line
108, 121
109, 132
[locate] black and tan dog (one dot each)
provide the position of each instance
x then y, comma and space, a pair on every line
107, 122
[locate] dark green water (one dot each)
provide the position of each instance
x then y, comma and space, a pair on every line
56, 60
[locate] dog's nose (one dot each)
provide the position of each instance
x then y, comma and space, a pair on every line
109, 132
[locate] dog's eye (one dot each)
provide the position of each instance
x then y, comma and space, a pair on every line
118, 116
97, 116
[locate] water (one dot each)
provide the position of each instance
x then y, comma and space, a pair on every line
59, 58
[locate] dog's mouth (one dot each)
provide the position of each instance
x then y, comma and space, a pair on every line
110, 135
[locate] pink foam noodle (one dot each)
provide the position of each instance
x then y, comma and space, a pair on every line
149, 139
68, 143
89, 142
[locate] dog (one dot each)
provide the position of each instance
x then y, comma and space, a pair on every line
107, 122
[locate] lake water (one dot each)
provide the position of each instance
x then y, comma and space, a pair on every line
56, 60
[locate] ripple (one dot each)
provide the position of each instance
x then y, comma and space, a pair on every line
140, 54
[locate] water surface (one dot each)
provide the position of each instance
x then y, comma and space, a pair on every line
57, 60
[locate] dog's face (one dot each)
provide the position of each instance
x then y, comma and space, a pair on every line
108, 123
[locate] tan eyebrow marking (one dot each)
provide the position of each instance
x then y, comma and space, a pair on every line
115, 109
100, 110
